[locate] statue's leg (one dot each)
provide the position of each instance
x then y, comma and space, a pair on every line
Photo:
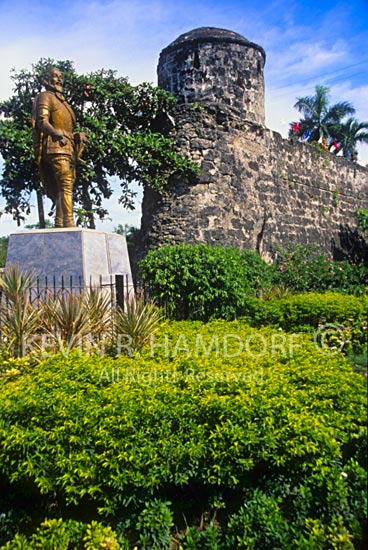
58, 215
59, 212
64, 172
49, 183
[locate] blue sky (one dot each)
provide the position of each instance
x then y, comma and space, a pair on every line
306, 43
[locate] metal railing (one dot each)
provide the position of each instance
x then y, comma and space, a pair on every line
120, 287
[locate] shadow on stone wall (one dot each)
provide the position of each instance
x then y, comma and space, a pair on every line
351, 246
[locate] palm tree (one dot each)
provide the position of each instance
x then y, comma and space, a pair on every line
348, 134
319, 118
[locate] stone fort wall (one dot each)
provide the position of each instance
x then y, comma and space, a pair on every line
255, 189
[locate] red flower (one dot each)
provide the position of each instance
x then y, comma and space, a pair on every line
87, 89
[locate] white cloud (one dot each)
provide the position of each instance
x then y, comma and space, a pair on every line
357, 95
304, 61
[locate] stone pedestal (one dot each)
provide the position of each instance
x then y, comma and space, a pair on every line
70, 256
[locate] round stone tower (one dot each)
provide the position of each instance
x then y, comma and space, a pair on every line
253, 189
210, 65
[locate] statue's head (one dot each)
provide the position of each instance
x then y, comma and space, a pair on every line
53, 79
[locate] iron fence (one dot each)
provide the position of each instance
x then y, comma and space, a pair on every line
119, 288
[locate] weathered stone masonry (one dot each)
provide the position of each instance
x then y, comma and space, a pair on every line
255, 189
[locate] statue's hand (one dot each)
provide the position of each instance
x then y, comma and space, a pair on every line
80, 137
58, 136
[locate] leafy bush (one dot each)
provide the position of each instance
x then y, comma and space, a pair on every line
260, 434
154, 525
362, 216
207, 538
346, 316
311, 309
56, 534
305, 269
261, 524
202, 282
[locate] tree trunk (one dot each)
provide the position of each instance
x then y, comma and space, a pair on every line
88, 207
41, 212
91, 224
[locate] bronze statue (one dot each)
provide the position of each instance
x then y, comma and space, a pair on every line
57, 147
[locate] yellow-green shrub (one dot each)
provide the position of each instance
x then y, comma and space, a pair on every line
210, 417
312, 309
56, 534
348, 313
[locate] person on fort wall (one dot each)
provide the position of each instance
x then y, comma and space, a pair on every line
57, 147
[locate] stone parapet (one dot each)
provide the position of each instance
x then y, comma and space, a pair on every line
255, 190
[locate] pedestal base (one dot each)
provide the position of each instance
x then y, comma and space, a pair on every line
81, 257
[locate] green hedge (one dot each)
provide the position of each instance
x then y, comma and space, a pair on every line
308, 309
217, 436
201, 281
346, 316
205, 282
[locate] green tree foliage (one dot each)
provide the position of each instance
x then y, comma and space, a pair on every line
4, 241
319, 118
133, 237
119, 119
348, 134
201, 281
48, 225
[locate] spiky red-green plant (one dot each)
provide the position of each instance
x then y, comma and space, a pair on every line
19, 317
66, 321
137, 323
